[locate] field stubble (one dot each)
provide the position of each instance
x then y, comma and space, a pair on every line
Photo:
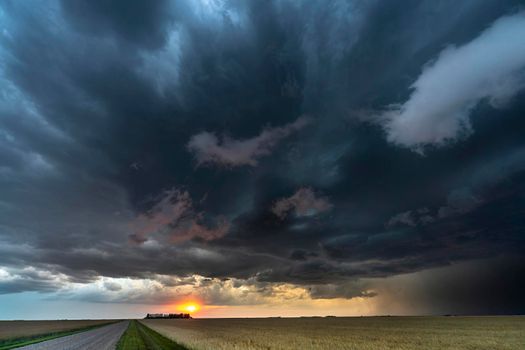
349, 333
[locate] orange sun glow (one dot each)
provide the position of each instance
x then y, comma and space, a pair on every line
189, 307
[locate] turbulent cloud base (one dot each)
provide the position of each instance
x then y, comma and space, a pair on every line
155, 152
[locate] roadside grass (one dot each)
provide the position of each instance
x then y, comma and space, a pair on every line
131, 339
8, 344
140, 337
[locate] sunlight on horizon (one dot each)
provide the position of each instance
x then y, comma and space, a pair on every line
190, 307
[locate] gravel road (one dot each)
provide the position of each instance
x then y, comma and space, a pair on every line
103, 338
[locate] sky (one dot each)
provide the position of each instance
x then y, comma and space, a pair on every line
261, 158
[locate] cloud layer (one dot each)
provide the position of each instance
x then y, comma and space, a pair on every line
158, 152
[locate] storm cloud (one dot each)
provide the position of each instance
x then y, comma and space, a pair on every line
242, 151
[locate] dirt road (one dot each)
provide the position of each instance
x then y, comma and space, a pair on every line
103, 338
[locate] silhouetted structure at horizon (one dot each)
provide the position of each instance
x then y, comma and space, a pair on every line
153, 316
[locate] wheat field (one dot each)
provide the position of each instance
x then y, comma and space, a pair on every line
349, 333
19, 329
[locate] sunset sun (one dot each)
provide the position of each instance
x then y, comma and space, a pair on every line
189, 307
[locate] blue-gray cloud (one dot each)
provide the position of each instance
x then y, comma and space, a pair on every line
103, 111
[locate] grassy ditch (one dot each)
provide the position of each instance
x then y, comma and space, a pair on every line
8, 344
140, 337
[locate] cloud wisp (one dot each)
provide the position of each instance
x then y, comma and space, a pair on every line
490, 67
304, 202
228, 152
175, 217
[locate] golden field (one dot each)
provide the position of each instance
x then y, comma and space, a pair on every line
352, 333
22, 329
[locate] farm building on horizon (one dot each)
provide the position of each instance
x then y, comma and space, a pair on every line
153, 316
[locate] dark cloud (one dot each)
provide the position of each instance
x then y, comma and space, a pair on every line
108, 108
493, 286
346, 290
140, 22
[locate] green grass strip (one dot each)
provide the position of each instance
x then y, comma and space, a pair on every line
140, 337
19, 342
131, 339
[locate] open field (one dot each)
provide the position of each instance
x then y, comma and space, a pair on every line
139, 337
23, 332
352, 333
